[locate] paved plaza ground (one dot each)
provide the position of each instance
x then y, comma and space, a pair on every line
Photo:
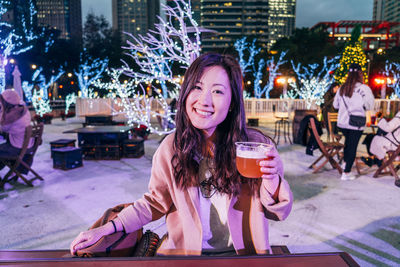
361, 217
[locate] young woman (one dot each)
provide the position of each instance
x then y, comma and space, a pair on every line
14, 118
353, 98
209, 207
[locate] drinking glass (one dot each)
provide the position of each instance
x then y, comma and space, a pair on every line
248, 157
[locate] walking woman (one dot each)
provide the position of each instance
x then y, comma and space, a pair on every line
354, 98
210, 209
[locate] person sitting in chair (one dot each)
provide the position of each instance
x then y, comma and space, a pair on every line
386, 139
14, 118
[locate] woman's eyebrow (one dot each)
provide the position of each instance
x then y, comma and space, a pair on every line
219, 84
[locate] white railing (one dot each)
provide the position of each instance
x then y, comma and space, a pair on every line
254, 107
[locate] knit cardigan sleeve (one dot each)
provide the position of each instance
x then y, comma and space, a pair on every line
157, 201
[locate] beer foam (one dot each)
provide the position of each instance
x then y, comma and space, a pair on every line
259, 154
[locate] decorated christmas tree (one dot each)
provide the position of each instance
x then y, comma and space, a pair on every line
353, 53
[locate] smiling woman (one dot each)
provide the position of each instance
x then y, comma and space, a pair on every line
208, 102
210, 208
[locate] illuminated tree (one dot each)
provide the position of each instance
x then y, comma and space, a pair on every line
13, 42
88, 72
168, 44
314, 80
41, 105
137, 106
392, 69
249, 64
272, 68
353, 53
69, 100
241, 47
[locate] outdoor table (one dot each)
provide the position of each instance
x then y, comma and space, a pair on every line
62, 258
101, 142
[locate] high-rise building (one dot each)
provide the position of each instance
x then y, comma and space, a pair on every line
234, 20
134, 16
387, 10
281, 19
63, 15
265, 20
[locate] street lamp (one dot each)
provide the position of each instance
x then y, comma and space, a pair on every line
383, 81
284, 81
33, 66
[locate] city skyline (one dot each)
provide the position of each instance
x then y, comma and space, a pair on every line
309, 12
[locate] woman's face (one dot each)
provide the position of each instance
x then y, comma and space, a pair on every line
207, 104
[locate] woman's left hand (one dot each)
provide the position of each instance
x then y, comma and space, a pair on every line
270, 166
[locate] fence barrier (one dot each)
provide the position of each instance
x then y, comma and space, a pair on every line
254, 107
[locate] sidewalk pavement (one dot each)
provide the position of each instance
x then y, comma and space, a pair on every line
361, 217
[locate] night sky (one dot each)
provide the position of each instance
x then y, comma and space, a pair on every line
309, 12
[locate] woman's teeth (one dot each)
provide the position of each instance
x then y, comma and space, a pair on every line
204, 113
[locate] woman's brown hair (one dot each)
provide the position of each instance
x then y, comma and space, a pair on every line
355, 76
190, 142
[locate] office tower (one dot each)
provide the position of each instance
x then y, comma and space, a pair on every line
134, 16
266, 20
387, 10
234, 20
281, 19
378, 10
63, 15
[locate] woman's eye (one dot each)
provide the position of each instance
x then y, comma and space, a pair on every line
197, 88
218, 91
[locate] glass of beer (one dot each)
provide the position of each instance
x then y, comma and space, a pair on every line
248, 157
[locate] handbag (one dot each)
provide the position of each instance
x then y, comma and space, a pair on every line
121, 244
354, 120
357, 121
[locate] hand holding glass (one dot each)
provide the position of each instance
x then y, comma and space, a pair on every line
248, 157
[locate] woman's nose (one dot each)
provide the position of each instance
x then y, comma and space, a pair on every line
205, 98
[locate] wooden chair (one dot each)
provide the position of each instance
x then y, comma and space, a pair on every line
329, 151
332, 137
390, 162
19, 163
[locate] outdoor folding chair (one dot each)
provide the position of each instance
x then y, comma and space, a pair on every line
389, 162
332, 137
329, 151
20, 163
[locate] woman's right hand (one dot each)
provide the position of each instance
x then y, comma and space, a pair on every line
88, 238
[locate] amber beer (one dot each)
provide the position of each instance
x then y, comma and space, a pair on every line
248, 157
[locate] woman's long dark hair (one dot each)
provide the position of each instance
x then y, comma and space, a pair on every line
355, 76
189, 142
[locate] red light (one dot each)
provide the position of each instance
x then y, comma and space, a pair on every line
72, 82
379, 80
60, 86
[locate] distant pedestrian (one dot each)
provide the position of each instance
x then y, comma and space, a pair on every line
353, 99
327, 106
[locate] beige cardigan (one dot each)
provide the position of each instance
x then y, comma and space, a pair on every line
247, 215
